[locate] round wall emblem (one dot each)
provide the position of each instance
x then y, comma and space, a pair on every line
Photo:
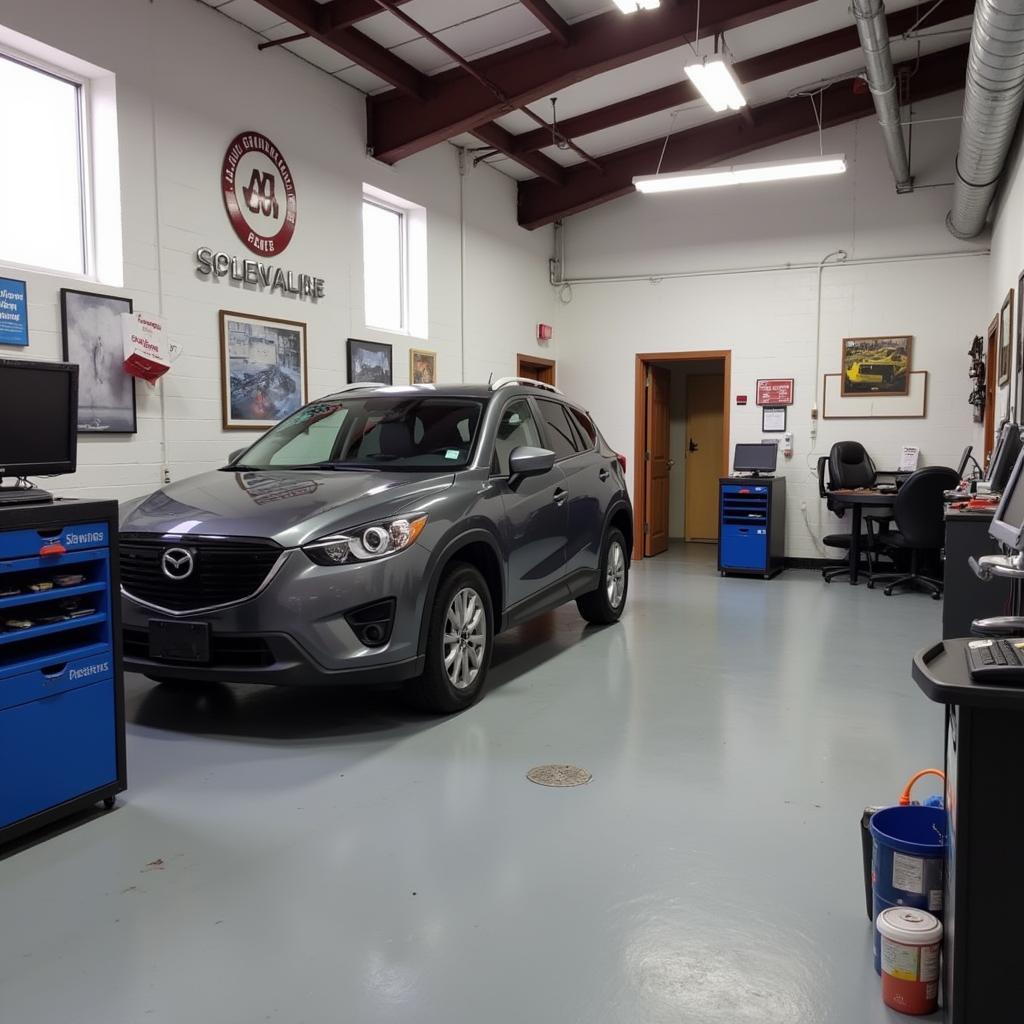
259, 193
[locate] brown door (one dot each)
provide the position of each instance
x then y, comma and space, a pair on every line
656, 462
704, 411
536, 368
991, 384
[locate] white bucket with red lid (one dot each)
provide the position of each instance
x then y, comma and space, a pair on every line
911, 944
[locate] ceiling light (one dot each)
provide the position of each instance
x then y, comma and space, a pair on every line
714, 79
741, 174
632, 6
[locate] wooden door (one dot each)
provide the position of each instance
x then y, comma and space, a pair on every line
536, 368
991, 387
704, 412
656, 462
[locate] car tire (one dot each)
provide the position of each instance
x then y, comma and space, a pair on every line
460, 640
604, 605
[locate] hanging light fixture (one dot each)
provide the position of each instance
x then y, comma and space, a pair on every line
715, 81
632, 6
741, 174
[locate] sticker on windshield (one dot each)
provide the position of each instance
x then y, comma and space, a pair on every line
452, 453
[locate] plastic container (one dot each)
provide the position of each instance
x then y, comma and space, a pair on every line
911, 942
907, 861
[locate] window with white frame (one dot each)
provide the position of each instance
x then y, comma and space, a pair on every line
61, 182
385, 265
43, 181
394, 263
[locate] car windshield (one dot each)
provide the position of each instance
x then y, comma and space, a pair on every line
398, 431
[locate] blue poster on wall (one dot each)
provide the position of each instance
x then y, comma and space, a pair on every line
13, 312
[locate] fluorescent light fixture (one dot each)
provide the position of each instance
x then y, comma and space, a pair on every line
714, 79
632, 6
741, 174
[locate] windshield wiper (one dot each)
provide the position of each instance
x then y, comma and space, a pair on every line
340, 467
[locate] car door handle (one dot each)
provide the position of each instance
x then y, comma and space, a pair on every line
560, 497
603, 475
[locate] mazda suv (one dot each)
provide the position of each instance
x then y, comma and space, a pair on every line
383, 533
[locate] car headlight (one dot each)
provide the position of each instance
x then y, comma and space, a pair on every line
378, 540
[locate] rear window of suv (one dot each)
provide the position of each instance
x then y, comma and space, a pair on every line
586, 425
561, 436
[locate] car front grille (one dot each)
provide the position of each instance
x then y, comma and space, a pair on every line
223, 571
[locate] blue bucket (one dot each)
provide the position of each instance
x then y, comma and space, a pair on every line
908, 860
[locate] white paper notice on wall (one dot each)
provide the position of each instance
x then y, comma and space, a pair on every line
909, 458
148, 352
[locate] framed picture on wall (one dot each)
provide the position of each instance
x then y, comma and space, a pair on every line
369, 362
1005, 339
876, 366
91, 334
1019, 348
263, 369
422, 366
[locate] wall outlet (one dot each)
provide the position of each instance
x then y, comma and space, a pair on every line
165, 474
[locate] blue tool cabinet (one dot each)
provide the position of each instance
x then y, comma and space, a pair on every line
751, 525
61, 693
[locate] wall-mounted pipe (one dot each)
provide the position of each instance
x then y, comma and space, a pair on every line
874, 40
992, 103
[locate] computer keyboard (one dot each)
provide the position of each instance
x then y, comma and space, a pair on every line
996, 661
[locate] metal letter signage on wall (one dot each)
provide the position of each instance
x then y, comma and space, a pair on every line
259, 193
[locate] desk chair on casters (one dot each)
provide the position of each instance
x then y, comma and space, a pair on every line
919, 526
836, 540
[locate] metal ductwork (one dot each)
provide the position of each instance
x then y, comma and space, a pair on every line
874, 40
992, 104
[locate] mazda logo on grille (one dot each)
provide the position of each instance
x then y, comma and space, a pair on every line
178, 564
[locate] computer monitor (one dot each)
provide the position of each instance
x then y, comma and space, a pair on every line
965, 458
755, 458
38, 418
1007, 525
1004, 456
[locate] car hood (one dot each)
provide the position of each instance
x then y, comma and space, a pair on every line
291, 507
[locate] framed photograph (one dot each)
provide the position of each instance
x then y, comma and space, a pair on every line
876, 366
422, 366
773, 419
91, 332
369, 362
1019, 370
13, 312
263, 369
1005, 339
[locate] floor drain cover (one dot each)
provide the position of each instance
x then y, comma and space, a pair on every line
559, 775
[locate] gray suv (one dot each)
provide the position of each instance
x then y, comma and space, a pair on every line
379, 534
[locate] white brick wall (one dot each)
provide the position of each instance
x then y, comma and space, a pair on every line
198, 79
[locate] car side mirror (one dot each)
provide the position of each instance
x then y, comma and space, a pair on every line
528, 461
236, 455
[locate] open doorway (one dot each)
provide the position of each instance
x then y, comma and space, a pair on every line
681, 446
535, 368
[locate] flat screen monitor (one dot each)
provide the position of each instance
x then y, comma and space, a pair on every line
1004, 456
1008, 523
38, 418
755, 458
965, 458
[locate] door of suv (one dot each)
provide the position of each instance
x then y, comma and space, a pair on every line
536, 508
583, 471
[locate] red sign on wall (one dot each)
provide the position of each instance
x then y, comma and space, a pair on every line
259, 193
778, 391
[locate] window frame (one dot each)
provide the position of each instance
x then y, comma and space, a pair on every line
493, 467
84, 125
403, 263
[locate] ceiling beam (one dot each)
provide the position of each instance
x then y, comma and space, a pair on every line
550, 19
346, 13
774, 62
307, 16
399, 127
497, 138
722, 140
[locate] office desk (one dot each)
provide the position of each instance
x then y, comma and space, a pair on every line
966, 597
857, 501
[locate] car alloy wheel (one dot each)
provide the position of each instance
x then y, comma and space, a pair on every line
615, 574
465, 638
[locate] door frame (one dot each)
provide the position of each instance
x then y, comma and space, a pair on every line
640, 425
549, 364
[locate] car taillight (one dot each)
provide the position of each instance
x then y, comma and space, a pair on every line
622, 462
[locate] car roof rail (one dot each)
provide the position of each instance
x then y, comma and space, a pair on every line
505, 382
357, 387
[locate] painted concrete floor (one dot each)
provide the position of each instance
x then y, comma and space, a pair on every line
328, 857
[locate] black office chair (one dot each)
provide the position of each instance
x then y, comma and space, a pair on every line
849, 466
919, 526
835, 540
